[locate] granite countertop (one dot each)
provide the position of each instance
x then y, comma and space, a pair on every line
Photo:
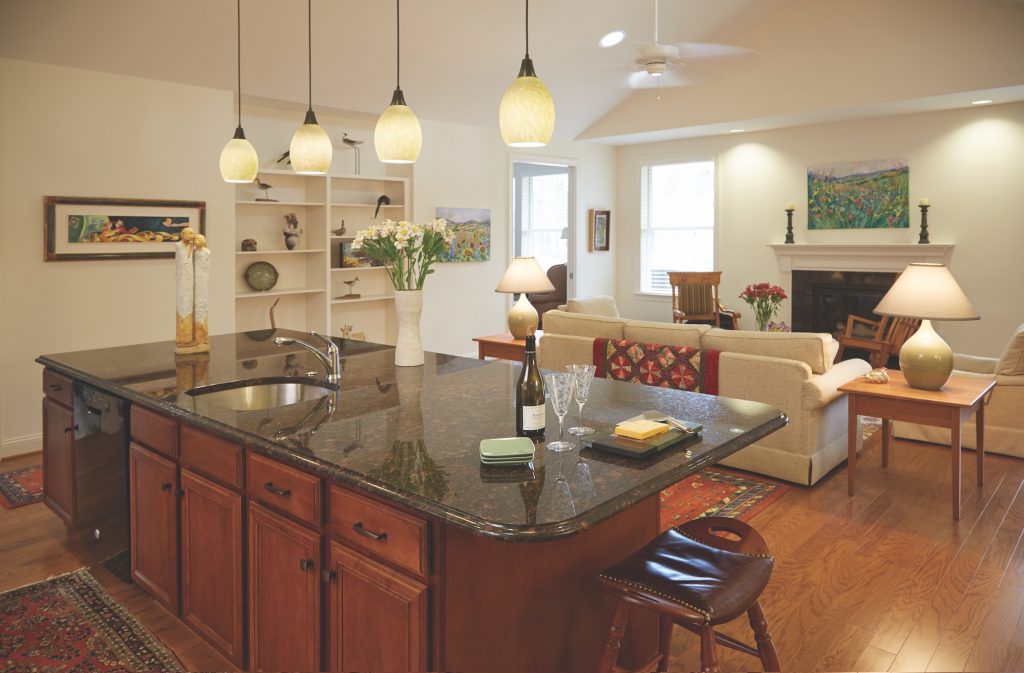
411, 434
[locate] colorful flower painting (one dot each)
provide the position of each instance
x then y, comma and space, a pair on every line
859, 195
472, 234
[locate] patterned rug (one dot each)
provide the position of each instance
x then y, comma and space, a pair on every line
717, 492
71, 623
21, 487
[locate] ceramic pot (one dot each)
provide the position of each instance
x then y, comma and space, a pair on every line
291, 240
409, 347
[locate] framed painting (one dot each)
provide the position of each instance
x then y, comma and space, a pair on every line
84, 228
600, 230
354, 258
859, 195
472, 230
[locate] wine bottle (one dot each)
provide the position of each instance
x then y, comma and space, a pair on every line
530, 395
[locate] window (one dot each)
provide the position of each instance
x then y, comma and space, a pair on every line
541, 212
677, 221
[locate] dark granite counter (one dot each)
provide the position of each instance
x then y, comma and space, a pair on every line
411, 434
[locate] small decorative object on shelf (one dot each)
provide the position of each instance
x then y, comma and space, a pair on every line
266, 191
923, 205
789, 223
382, 200
351, 284
291, 231
261, 276
248, 245
765, 299
340, 231
354, 144
192, 291
346, 331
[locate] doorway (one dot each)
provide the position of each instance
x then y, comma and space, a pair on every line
544, 214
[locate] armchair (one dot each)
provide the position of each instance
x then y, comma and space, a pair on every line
695, 299
545, 301
888, 337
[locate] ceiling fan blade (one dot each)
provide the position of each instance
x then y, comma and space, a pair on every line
673, 77
701, 50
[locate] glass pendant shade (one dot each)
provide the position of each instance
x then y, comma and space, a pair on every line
527, 112
310, 150
238, 159
397, 136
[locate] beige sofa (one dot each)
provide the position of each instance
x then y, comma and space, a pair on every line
1004, 408
792, 371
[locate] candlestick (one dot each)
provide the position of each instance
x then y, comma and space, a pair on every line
789, 223
923, 202
923, 238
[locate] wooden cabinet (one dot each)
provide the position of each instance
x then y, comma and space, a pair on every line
154, 525
377, 617
284, 593
212, 563
59, 460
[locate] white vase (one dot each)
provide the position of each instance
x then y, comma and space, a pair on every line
409, 347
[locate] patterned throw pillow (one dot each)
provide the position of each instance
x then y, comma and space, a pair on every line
651, 364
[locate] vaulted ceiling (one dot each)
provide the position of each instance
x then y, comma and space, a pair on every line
809, 60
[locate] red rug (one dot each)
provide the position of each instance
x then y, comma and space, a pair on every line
717, 492
21, 487
71, 623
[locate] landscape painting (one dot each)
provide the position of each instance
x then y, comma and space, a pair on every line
472, 229
859, 195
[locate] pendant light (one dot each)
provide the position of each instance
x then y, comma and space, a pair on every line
310, 150
238, 160
397, 136
527, 113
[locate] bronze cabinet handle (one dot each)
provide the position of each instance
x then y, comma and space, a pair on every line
283, 492
73, 428
358, 526
54, 386
165, 486
305, 564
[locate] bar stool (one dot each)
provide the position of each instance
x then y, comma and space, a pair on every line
698, 575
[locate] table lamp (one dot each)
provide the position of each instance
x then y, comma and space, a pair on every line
928, 292
523, 275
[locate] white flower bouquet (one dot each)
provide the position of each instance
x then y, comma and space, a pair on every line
405, 249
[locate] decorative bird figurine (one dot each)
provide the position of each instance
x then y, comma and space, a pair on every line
351, 284
382, 200
354, 144
286, 157
266, 190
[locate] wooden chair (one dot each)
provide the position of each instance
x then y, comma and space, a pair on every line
695, 299
889, 336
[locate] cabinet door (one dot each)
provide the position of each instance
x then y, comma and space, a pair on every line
377, 617
284, 593
154, 515
211, 563
59, 461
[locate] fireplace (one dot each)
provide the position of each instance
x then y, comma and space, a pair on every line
822, 300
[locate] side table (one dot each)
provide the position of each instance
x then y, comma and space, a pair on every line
503, 346
897, 401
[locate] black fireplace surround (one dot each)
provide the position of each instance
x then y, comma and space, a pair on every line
822, 300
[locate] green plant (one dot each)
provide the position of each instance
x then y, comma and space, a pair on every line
405, 249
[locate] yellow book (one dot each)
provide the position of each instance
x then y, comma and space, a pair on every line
641, 429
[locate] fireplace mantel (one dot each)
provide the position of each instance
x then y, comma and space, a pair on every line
882, 257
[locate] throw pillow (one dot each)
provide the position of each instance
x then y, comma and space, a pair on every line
651, 364
602, 304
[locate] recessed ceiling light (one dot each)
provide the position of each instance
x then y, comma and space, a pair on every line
735, 130
980, 102
611, 39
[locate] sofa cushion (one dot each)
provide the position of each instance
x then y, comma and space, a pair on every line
811, 348
583, 325
1011, 363
651, 364
602, 304
664, 333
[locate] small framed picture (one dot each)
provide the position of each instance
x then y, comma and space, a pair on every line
353, 259
600, 230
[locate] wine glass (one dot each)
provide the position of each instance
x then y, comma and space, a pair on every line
583, 377
560, 387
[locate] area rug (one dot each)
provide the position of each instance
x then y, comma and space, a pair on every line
717, 492
71, 623
21, 487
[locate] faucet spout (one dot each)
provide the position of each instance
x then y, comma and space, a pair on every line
331, 360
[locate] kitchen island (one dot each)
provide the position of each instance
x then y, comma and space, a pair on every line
480, 567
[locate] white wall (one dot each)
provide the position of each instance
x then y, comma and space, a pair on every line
969, 163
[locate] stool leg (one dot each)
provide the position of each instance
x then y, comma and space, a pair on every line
665, 625
616, 631
765, 644
708, 656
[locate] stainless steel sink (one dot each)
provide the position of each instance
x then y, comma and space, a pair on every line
251, 397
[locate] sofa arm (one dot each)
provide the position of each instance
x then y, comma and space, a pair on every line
821, 389
974, 363
555, 351
1002, 380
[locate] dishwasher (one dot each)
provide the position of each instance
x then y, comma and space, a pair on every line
101, 468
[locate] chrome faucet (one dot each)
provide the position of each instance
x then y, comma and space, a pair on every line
331, 361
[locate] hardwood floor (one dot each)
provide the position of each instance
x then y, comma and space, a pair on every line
885, 580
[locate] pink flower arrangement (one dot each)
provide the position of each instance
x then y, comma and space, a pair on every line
765, 299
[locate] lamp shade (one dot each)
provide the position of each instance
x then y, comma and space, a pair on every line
527, 112
927, 291
397, 136
310, 150
524, 275
238, 159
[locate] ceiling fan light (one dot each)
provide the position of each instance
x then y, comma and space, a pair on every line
527, 112
611, 39
310, 150
238, 160
397, 136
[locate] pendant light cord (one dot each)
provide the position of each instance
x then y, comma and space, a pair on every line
527, 28
239, 17
309, 45
398, 44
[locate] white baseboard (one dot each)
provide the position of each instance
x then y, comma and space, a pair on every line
21, 445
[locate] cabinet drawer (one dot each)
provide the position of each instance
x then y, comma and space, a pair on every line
367, 524
57, 387
208, 454
285, 488
155, 431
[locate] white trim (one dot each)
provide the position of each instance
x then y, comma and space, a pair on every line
21, 445
878, 257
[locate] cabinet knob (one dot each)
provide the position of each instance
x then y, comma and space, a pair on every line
328, 575
165, 486
283, 492
365, 532
305, 564
54, 386
73, 428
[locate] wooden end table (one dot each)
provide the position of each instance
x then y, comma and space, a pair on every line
897, 401
503, 346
